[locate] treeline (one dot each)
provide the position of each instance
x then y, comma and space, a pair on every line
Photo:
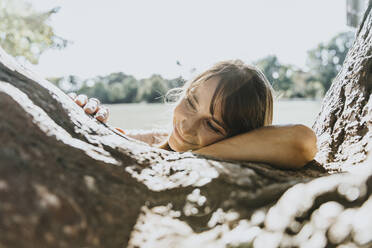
323, 64
288, 81
25, 33
120, 88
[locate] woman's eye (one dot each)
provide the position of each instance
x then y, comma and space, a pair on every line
212, 127
190, 103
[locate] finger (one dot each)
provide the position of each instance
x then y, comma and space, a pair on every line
102, 114
72, 95
81, 100
95, 99
92, 106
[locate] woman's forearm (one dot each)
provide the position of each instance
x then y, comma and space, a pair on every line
290, 146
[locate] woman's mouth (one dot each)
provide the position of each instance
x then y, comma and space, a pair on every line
179, 137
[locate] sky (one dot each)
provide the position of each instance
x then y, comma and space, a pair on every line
145, 37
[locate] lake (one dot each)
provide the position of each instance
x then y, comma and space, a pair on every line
148, 116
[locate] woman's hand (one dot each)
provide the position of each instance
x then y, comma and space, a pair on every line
91, 106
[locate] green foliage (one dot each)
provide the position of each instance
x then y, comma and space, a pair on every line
153, 89
289, 81
324, 63
326, 59
282, 77
130, 87
25, 32
277, 74
119, 87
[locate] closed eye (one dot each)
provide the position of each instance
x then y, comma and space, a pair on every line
209, 123
213, 127
190, 103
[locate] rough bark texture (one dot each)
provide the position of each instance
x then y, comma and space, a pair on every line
343, 125
68, 181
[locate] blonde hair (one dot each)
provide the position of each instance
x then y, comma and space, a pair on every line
244, 94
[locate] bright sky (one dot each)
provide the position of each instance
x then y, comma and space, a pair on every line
146, 37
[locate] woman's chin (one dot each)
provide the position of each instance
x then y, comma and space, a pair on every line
176, 146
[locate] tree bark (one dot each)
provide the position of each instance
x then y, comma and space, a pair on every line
67, 180
343, 126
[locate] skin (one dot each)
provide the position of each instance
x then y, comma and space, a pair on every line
284, 146
196, 129
193, 125
92, 106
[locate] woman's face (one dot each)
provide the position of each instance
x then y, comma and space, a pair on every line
194, 126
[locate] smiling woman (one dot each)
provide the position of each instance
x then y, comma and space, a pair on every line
194, 124
228, 99
226, 112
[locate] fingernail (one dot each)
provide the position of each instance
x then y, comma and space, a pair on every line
82, 99
89, 110
102, 114
91, 106
101, 118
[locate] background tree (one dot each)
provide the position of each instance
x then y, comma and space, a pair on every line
120, 88
325, 60
287, 80
130, 88
25, 32
153, 90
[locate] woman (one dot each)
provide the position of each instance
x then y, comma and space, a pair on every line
226, 112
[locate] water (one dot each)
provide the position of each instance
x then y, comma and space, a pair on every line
139, 115
296, 111
147, 116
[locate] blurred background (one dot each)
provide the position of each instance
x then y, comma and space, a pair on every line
129, 54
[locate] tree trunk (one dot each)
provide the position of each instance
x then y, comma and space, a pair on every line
343, 125
67, 180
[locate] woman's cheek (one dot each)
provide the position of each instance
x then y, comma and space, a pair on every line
177, 112
208, 138
176, 146
171, 143
205, 138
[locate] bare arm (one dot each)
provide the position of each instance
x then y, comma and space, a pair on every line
92, 106
289, 146
151, 137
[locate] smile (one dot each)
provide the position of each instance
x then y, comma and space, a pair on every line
179, 137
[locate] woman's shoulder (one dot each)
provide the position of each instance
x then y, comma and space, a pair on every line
149, 136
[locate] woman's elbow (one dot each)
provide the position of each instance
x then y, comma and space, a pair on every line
306, 145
